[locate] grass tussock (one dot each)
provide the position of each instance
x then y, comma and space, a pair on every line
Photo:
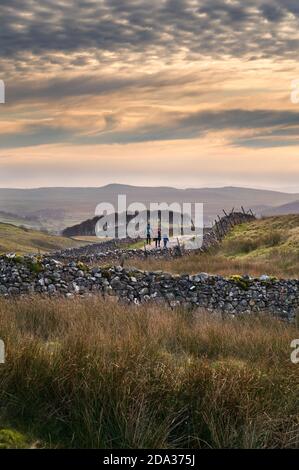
97, 374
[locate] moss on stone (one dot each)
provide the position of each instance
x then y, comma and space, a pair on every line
35, 266
240, 281
19, 259
82, 266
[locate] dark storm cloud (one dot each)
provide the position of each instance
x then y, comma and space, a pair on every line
200, 27
267, 127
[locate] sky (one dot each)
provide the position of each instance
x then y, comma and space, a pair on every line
185, 93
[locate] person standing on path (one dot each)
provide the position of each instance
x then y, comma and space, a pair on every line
165, 241
159, 238
148, 234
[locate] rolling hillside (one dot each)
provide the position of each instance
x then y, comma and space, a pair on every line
22, 240
19, 221
264, 239
58, 208
265, 246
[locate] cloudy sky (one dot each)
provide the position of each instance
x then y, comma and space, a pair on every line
156, 92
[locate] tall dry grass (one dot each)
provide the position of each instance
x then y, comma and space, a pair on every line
281, 264
90, 373
212, 263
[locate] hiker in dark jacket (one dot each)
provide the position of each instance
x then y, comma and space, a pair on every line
159, 238
148, 234
165, 241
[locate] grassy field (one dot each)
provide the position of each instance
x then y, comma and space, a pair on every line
92, 373
22, 240
91, 239
265, 246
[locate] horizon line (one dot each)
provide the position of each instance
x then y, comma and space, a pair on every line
187, 188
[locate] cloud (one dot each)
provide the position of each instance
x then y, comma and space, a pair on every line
94, 85
272, 123
140, 27
268, 128
272, 12
33, 135
130, 61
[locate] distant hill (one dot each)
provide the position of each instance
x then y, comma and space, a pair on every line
289, 208
57, 208
87, 227
14, 219
23, 240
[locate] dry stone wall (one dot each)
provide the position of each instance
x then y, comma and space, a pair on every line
235, 295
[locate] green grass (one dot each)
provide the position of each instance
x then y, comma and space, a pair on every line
92, 373
22, 240
263, 238
91, 239
135, 245
265, 246
272, 242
